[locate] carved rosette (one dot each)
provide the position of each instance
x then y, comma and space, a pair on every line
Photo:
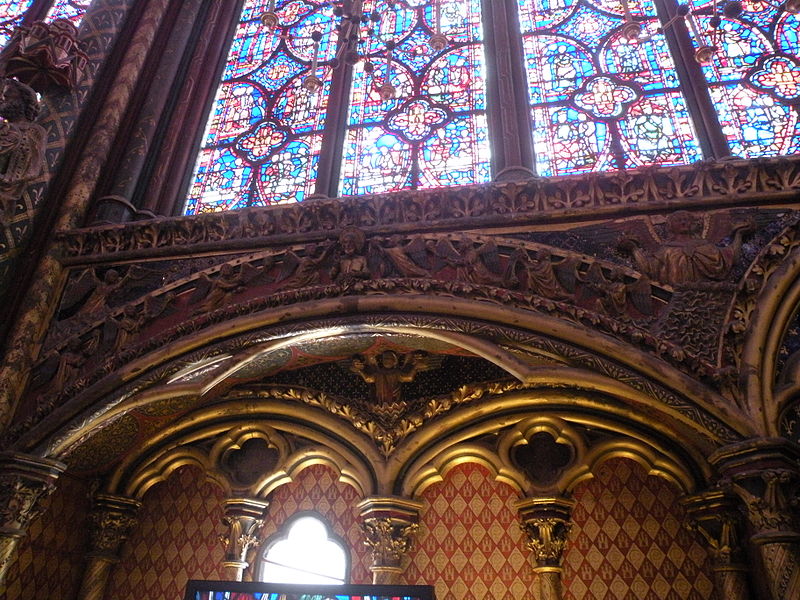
715, 516
24, 482
546, 524
389, 524
244, 517
765, 475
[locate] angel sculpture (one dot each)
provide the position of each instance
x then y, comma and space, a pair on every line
22, 143
388, 370
215, 292
396, 259
350, 262
685, 257
476, 265
539, 275
614, 292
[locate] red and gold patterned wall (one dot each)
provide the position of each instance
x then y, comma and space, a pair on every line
628, 541
177, 539
51, 557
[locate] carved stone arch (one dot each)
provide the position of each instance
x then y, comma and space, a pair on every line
204, 439
160, 470
596, 437
495, 334
768, 300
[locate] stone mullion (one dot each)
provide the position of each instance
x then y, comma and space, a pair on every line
110, 523
244, 517
546, 523
715, 516
765, 475
24, 482
389, 524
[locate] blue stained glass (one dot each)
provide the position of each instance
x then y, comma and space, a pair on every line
556, 67
11, 14
265, 124
568, 141
646, 62
391, 142
68, 9
740, 46
549, 14
787, 33
588, 26
655, 131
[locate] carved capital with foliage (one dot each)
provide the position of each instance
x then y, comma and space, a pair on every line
765, 475
110, 523
244, 517
716, 517
546, 524
389, 524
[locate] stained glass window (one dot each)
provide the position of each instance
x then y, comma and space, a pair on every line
753, 75
432, 132
603, 92
603, 88
263, 139
12, 12
68, 9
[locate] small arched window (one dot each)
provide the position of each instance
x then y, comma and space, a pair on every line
304, 551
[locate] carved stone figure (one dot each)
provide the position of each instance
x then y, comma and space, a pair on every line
351, 264
536, 275
387, 371
227, 283
22, 143
685, 257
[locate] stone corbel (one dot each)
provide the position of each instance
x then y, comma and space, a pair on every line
244, 517
24, 482
110, 523
389, 524
765, 475
546, 524
45, 55
716, 517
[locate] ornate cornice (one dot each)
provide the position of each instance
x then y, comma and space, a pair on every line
704, 184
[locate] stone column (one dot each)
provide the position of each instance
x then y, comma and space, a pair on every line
546, 523
389, 524
716, 517
110, 522
244, 517
765, 475
24, 482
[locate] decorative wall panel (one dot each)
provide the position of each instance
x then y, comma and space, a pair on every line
177, 539
470, 545
629, 541
50, 559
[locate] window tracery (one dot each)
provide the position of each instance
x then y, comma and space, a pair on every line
608, 87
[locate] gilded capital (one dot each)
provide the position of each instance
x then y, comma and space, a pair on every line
110, 523
546, 524
765, 475
244, 517
389, 524
716, 517
24, 482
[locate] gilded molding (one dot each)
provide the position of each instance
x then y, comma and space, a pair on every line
546, 524
389, 524
110, 523
518, 203
244, 518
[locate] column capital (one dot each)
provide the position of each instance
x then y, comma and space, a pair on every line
244, 517
765, 474
110, 522
546, 522
25, 480
715, 515
389, 523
